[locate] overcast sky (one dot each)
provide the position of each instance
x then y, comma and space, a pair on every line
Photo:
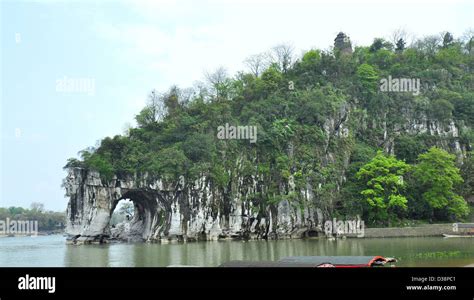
125, 49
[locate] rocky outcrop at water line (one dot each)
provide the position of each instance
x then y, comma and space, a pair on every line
177, 211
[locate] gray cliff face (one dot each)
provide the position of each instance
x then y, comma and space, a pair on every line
178, 211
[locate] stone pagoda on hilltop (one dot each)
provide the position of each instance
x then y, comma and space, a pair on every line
342, 43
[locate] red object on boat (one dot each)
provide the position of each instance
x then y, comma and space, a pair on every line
316, 262
339, 261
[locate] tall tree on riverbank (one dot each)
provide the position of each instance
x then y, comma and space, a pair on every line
383, 176
437, 177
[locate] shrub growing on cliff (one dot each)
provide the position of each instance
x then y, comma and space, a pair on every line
368, 79
408, 148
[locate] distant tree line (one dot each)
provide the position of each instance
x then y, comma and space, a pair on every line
47, 220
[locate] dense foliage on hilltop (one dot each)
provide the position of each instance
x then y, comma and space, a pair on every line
321, 120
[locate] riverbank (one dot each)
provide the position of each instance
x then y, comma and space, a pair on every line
426, 230
418, 231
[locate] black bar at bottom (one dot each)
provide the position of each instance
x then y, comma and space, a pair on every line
448, 283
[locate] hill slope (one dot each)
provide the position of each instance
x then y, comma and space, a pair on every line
318, 121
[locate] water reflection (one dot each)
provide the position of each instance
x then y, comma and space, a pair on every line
93, 256
52, 251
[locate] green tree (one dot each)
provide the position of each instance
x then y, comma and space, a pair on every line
408, 148
400, 45
447, 39
169, 163
467, 172
199, 147
442, 110
368, 79
171, 100
437, 177
154, 111
311, 58
380, 44
102, 165
383, 178
272, 79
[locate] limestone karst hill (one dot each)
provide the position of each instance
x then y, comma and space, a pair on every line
319, 119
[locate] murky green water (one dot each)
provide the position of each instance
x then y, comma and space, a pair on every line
51, 251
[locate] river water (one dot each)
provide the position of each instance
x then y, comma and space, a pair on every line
51, 251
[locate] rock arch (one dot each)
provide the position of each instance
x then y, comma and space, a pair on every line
147, 209
91, 204
175, 211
